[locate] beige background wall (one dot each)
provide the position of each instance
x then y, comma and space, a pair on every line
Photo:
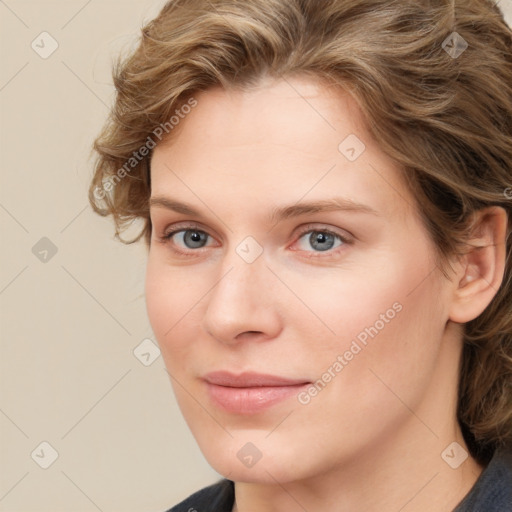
71, 297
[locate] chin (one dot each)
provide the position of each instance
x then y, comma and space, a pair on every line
268, 463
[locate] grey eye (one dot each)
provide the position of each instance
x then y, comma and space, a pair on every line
321, 241
192, 238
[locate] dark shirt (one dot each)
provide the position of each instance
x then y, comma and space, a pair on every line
492, 492
218, 497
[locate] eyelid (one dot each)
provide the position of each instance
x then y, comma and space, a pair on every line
346, 238
177, 227
301, 230
166, 238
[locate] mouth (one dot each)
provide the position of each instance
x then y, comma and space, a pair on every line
250, 393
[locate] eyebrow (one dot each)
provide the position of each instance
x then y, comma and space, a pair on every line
279, 213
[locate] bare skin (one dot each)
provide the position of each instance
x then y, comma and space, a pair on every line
372, 438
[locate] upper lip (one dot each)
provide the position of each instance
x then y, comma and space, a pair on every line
249, 380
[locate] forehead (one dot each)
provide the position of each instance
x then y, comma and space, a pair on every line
300, 113
288, 137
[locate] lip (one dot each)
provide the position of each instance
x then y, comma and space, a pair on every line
249, 392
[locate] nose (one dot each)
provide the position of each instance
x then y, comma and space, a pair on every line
243, 304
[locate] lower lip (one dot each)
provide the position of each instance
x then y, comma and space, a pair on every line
251, 400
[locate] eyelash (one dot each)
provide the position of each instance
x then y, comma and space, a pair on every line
166, 239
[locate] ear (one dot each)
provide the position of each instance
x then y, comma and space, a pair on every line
480, 271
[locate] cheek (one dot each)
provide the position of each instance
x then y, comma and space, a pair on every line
387, 319
364, 303
158, 298
389, 330
169, 301
176, 298
363, 396
173, 297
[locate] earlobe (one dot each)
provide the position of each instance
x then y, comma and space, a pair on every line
482, 268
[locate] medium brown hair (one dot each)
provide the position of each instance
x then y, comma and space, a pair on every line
438, 103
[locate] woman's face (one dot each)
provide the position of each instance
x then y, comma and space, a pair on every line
298, 306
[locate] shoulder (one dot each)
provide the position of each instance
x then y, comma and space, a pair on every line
492, 491
218, 497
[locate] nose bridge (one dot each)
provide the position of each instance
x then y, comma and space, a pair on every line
240, 300
244, 271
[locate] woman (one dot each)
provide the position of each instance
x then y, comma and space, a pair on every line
326, 195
